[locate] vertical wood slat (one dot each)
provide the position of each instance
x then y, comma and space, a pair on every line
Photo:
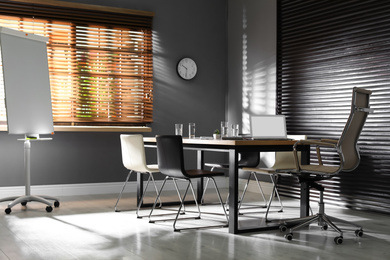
325, 48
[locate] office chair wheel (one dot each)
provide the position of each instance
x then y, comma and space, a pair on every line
359, 232
324, 227
56, 203
283, 228
7, 210
24, 203
338, 240
49, 209
289, 236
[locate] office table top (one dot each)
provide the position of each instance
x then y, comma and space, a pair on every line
199, 141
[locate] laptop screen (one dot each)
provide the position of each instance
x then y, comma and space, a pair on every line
268, 127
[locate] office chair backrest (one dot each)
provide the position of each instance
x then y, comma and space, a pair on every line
249, 159
170, 156
360, 107
133, 152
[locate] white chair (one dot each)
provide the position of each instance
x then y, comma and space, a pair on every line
283, 161
133, 158
247, 159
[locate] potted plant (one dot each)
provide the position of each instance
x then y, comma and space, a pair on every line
217, 134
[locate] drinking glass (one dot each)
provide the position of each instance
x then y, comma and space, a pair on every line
235, 130
224, 128
179, 129
191, 130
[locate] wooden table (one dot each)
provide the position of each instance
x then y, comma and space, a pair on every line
233, 148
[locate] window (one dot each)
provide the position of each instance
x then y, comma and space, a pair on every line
100, 62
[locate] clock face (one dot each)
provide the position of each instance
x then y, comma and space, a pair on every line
186, 68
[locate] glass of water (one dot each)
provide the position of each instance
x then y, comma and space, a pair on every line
224, 128
235, 130
179, 129
191, 130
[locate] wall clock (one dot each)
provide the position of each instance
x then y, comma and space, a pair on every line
186, 68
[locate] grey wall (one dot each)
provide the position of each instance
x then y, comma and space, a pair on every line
181, 28
251, 59
251, 63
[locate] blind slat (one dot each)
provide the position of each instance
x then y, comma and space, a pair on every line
325, 48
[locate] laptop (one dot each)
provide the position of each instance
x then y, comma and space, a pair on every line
268, 127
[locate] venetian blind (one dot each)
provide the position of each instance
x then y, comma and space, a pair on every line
100, 62
325, 48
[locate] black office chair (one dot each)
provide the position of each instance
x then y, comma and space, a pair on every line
171, 163
349, 159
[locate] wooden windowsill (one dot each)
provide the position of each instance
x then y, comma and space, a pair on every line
125, 129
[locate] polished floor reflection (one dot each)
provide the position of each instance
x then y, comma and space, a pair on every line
86, 227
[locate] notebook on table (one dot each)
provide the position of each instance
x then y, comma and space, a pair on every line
272, 127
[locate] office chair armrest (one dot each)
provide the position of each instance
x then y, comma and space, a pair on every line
322, 142
364, 109
318, 144
284, 172
333, 141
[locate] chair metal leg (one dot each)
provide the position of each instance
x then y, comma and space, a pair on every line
193, 194
155, 187
334, 219
227, 201
197, 205
204, 191
179, 195
143, 195
324, 221
157, 198
243, 193
182, 204
270, 202
205, 187
246, 187
123, 187
274, 179
220, 199
261, 189
273, 193
307, 222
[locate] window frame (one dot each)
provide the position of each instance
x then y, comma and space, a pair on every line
113, 16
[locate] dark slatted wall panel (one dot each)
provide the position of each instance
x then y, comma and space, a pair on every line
325, 48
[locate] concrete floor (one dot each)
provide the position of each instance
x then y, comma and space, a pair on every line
86, 227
